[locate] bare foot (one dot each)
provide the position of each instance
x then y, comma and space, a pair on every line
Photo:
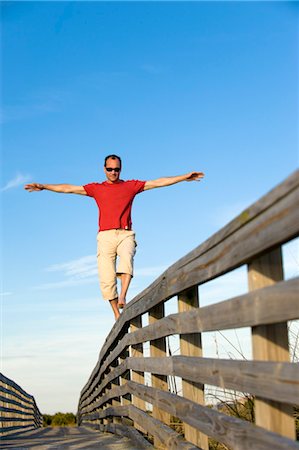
121, 303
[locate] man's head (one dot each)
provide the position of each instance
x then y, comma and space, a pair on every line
112, 168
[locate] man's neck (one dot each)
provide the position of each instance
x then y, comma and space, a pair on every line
114, 182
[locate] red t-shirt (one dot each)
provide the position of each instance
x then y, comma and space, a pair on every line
115, 202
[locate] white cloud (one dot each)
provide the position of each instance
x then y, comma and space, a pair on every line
84, 267
64, 283
5, 294
84, 270
15, 182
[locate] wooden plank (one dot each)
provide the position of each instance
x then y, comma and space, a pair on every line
125, 376
235, 433
115, 382
271, 380
117, 372
163, 434
191, 345
136, 351
102, 402
130, 432
168, 437
264, 306
158, 349
270, 342
274, 222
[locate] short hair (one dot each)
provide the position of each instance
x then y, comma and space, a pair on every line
112, 157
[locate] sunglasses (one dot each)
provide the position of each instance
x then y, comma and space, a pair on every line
110, 169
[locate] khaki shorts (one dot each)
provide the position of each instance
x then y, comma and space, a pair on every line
110, 245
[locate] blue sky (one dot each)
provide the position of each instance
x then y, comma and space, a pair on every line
171, 87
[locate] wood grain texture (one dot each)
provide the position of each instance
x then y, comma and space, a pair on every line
136, 351
272, 380
164, 435
270, 342
235, 433
158, 349
264, 306
191, 345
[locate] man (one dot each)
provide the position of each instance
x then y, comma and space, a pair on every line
115, 238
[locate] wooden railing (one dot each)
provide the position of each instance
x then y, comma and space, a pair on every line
19, 411
116, 395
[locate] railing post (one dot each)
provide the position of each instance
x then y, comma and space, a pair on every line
127, 398
191, 345
270, 343
138, 377
115, 401
158, 350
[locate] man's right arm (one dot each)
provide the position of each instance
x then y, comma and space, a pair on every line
60, 188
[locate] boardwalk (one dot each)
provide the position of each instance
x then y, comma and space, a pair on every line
67, 438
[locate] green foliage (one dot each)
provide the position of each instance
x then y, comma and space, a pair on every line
59, 420
47, 420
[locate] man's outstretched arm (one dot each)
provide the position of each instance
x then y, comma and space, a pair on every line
167, 181
61, 188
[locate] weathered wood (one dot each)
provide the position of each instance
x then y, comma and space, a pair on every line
271, 221
137, 352
191, 345
272, 380
115, 382
126, 398
18, 408
264, 306
235, 433
158, 349
168, 437
117, 391
115, 373
165, 435
270, 342
130, 432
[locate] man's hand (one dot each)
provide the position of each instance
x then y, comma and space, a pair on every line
195, 176
34, 187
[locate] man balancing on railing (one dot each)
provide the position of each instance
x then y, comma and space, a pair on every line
114, 198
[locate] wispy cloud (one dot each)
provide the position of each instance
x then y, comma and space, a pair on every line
15, 182
5, 294
84, 267
84, 270
35, 104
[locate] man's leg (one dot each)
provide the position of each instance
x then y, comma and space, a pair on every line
125, 283
106, 255
126, 251
115, 308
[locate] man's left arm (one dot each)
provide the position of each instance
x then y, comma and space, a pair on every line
167, 181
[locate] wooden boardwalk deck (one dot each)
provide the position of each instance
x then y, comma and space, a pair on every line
67, 438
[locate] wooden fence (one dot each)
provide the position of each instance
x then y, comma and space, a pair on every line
116, 395
19, 411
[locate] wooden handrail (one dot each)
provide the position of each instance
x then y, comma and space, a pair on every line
116, 385
19, 411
